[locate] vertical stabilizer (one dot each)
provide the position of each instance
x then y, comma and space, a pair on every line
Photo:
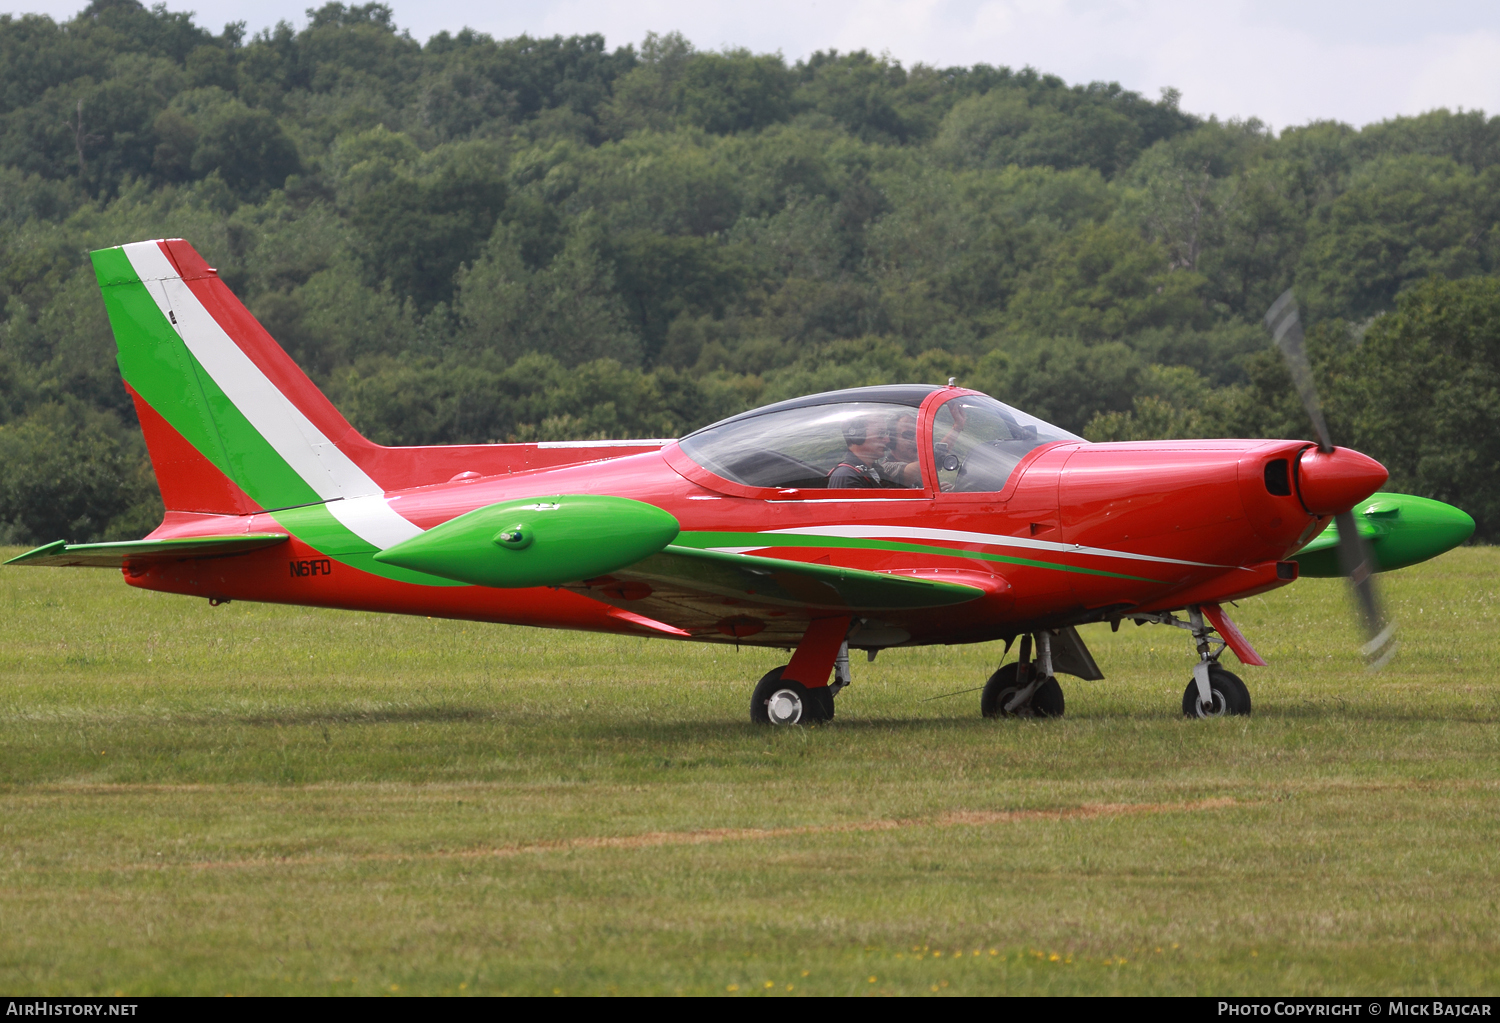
230, 420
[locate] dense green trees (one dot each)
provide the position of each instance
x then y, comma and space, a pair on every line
476, 239
1423, 388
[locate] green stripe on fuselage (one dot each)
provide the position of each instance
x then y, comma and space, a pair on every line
772, 540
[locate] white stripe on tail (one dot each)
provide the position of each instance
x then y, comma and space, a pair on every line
353, 497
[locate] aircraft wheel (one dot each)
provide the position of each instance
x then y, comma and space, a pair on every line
1230, 695
775, 702
1046, 701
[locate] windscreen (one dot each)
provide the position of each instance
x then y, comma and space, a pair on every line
859, 444
977, 442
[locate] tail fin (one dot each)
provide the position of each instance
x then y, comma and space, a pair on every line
234, 426
231, 422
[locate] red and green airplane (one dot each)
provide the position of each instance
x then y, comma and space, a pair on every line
861, 519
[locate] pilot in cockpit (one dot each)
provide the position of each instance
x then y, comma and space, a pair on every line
868, 438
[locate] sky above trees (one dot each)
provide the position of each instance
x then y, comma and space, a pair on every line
1285, 61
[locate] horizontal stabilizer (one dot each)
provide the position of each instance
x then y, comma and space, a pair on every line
62, 554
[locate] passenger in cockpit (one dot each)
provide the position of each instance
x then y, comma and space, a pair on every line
900, 466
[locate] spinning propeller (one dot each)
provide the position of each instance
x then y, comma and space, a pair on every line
1355, 557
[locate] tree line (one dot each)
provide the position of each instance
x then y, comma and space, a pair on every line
536, 239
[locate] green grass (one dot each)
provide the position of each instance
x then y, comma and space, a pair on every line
264, 800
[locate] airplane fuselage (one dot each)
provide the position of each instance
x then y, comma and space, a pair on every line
1080, 533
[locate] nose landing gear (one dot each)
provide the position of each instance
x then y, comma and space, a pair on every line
1214, 691
1227, 695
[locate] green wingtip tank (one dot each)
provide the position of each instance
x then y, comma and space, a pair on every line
538, 541
1401, 530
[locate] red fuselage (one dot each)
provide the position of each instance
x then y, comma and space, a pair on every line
1086, 531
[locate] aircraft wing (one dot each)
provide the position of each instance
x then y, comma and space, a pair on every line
115, 555
621, 552
686, 591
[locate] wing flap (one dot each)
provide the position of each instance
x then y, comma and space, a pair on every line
775, 581
62, 554
739, 596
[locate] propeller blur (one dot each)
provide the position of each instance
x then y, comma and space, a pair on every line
1335, 490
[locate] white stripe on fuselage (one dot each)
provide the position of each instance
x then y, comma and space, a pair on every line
658, 441
962, 536
331, 474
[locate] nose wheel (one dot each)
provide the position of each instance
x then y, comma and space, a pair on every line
1228, 696
1214, 691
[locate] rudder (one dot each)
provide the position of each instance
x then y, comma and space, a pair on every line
203, 369
193, 355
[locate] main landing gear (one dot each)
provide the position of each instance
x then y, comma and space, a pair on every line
1026, 688
778, 701
1214, 690
797, 693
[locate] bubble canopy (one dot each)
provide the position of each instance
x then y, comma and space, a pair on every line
975, 441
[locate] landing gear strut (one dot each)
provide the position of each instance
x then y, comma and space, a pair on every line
1227, 695
783, 701
1026, 688
1214, 691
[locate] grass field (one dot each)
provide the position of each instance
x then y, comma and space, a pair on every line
263, 800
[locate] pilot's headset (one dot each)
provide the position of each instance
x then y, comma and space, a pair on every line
857, 429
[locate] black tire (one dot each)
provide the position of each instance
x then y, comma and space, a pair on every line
1231, 697
1046, 702
808, 706
997, 690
